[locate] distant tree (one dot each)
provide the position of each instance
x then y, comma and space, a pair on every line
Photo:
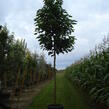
3, 46
5, 40
0, 27
54, 27
42, 66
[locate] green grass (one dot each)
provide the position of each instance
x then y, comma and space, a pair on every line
66, 95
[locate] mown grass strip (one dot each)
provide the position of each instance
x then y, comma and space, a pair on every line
66, 95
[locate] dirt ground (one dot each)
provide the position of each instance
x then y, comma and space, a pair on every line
25, 99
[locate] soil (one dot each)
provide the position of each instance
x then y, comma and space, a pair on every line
23, 100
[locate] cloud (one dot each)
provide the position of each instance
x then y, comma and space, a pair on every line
92, 17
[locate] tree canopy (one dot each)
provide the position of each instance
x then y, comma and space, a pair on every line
54, 27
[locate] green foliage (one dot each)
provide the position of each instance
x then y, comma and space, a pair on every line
5, 41
92, 73
54, 27
18, 66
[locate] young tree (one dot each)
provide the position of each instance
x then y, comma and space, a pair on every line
54, 27
5, 40
4, 36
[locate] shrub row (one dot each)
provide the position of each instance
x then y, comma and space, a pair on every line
18, 66
92, 73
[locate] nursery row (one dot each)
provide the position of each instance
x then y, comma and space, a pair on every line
19, 68
91, 73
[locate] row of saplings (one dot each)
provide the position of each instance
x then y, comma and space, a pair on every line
19, 68
92, 74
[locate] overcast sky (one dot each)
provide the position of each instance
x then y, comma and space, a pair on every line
92, 26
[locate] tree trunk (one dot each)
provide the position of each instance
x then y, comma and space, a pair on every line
23, 81
17, 78
5, 80
54, 77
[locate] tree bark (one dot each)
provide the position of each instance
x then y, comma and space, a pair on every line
54, 77
17, 78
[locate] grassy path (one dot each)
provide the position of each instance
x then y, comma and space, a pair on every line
66, 95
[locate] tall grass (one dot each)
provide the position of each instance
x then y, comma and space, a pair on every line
92, 73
